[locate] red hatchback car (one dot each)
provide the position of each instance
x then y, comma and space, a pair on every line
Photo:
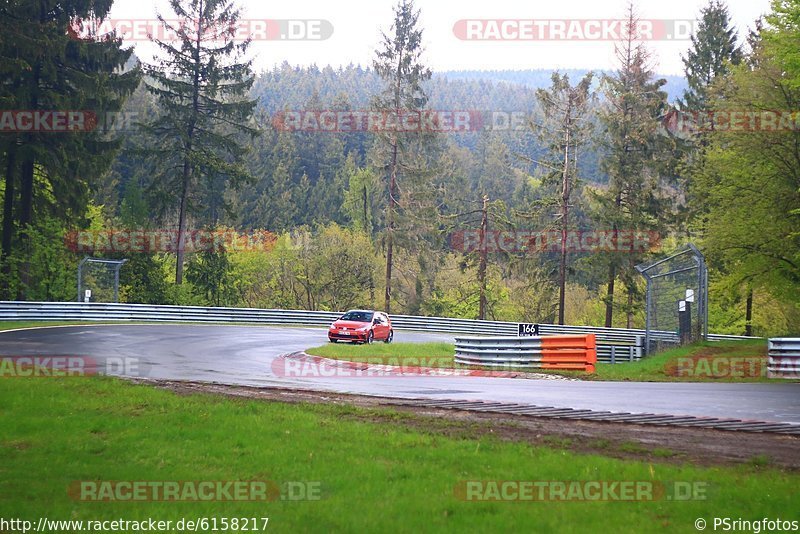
361, 326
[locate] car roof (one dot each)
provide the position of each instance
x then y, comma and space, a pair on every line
366, 311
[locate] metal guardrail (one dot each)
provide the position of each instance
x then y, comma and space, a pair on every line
784, 358
568, 352
728, 337
613, 344
72, 311
620, 351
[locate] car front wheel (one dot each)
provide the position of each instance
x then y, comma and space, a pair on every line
370, 335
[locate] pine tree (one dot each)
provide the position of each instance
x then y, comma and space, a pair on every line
634, 152
564, 132
201, 84
714, 49
713, 53
399, 64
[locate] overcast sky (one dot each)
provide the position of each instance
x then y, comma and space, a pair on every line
357, 24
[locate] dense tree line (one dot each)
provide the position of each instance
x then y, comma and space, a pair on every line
381, 219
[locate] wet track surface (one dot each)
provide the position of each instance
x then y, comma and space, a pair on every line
247, 356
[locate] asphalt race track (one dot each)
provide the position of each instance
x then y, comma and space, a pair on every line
246, 356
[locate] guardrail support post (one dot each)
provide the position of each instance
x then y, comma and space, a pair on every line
783, 360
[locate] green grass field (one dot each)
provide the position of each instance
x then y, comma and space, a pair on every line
725, 361
373, 476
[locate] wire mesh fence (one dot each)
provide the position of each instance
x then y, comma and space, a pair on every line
676, 297
98, 280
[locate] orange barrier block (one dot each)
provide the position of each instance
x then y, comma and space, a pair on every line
567, 342
569, 352
564, 355
580, 366
591, 354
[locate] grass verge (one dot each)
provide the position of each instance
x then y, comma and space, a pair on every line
723, 361
373, 477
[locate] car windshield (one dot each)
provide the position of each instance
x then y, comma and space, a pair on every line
360, 316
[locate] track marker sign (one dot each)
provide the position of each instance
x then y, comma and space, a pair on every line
527, 329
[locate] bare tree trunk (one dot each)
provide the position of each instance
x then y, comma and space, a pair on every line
25, 219
187, 173
612, 276
367, 226
309, 301
372, 288
26, 181
565, 194
482, 263
8, 221
748, 314
398, 77
629, 311
390, 231
188, 170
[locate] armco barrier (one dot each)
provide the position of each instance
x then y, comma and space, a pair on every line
784, 358
613, 344
568, 352
78, 311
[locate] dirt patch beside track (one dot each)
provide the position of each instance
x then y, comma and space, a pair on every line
620, 440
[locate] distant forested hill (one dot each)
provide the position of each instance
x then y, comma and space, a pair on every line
300, 177
539, 78
291, 87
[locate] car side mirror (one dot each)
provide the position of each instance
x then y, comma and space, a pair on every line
376, 321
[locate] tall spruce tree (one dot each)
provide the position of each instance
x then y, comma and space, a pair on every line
564, 131
201, 83
714, 49
399, 64
633, 155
